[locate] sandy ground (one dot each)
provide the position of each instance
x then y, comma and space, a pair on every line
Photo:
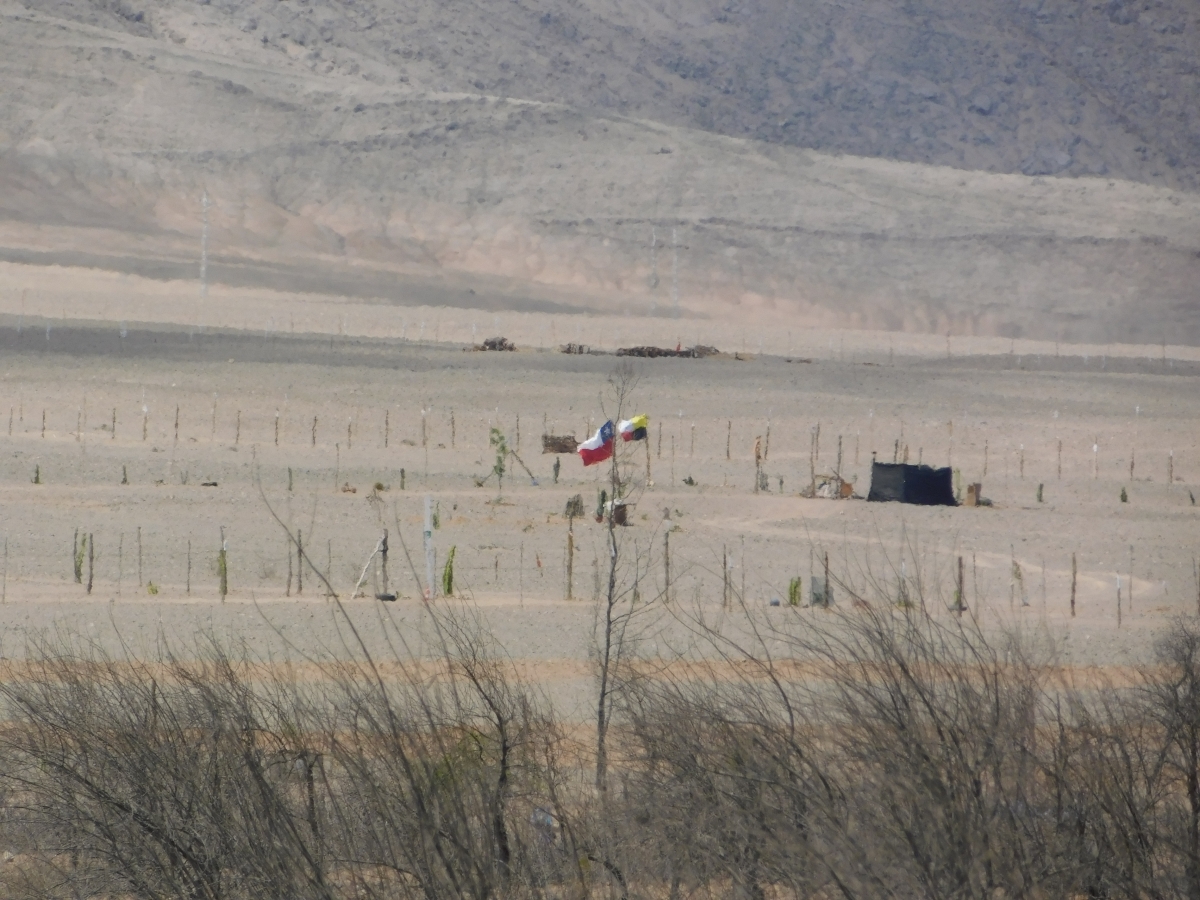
385, 403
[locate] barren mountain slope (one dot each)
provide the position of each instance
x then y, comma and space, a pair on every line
1033, 86
335, 156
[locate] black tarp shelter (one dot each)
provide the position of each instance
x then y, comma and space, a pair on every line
923, 485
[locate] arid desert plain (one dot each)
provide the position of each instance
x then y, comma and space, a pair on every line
135, 420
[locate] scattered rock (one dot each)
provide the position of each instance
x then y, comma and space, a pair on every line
982, 103
1046, 160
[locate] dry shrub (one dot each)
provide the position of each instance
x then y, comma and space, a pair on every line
906, 757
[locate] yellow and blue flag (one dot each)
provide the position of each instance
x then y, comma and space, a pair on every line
634, 429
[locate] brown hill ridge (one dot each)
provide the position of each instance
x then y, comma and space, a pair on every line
567, 155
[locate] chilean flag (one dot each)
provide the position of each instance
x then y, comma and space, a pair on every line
599, 446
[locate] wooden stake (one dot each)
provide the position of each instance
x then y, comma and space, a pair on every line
1060, 460
299, 562
571, 558
139, 542
1195, 566
177, 426
78, 425
1131, 579
452, 429
728, 436
288, 591
960, 590
386, 430
667, 564
383, 560
188, 583
44, 426
1074, 579
237, 429
757, 463
692, 448
825, 599
985, 458
113, 436
812, 462
276, 428
314, 431
659, 451
724, 577
91, 560
223, 568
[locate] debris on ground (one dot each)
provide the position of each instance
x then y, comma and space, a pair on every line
574, 349
700, 351
559, 443
830, 487
495, 343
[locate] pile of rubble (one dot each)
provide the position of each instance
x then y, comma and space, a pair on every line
698, 352
496, 343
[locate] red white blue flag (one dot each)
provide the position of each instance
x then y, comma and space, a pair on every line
599, 446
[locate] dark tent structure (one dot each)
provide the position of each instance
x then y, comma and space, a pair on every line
922, 485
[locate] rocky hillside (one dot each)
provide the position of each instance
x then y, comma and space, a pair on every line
860, 164
1033, 86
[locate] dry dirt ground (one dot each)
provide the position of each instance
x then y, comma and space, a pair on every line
352, 397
